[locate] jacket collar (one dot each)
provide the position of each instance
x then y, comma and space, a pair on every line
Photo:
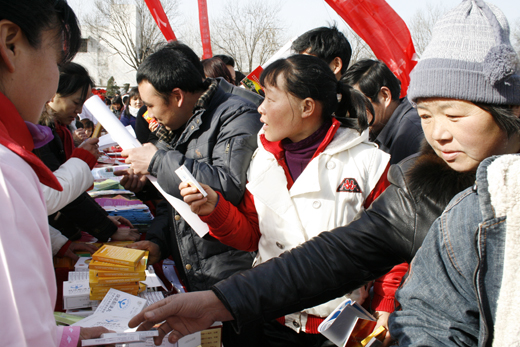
430, 177
15, 136
386, 135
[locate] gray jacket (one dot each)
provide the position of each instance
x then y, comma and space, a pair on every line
215, 146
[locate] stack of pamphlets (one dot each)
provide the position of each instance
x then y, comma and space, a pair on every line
119, 268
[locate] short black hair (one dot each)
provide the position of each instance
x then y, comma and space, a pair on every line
187, 52
370, 75
36, 16
169, 68
74, 77
325, 43
228, 60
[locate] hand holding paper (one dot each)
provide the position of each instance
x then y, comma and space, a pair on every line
118, 132
139, 158
199, 204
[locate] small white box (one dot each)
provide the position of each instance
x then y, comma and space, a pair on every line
187, 177
82, 264
76, 295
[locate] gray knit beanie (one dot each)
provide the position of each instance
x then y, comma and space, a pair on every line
469, 58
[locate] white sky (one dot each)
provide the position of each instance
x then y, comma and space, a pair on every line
302, 15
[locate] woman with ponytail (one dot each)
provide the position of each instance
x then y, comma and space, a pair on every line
314, 170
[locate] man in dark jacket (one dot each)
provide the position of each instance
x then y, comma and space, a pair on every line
396, 126
212, 133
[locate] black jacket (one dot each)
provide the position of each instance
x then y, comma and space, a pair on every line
215, 146
403, 134
334, 263
82, 214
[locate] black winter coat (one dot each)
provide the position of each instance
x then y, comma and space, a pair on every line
82, 214
216, 146
334, 263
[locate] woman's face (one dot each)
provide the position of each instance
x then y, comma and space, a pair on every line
463, 134
281, 114
136, 102
68, 107
36, 74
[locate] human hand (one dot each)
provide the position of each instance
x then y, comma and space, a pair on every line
139, 158
79, 246
199, 205
92, 333
382, 320
80, 135
184, 314
131, 181
92, 146
125, 234
120, 221
153, 125
154, 254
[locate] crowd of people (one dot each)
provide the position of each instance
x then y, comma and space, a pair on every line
328, 186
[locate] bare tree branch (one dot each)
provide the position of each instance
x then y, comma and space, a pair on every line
250, 32
112, 25
421, 25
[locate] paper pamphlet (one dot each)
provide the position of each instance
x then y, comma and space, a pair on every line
107, 141
120, 304
118, 132
338, 326
106, 172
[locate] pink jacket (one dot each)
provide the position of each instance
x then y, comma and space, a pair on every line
27, 281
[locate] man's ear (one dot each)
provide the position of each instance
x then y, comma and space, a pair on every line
385, 96
336, 65
309, 107
10, 37
178, 96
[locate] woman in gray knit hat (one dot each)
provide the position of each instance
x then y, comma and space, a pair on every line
467, 91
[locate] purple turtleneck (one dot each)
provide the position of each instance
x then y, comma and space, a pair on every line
299, 154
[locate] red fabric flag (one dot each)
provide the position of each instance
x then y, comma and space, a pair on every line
204, 29
162, 21
384, 31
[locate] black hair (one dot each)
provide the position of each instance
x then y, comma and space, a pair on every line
170, 68
309, 77
370, 75
239, 76
504, 116
133, 92
87, 123
74, 77
36, 16
226, 59
117, 100
215, 67
325, 43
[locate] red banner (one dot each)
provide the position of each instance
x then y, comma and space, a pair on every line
384, 31
162, 21
204, 30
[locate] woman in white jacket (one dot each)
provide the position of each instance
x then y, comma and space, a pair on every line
314, 170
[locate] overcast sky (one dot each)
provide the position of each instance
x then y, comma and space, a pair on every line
302, 15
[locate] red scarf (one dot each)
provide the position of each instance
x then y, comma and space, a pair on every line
15, 136
66, 138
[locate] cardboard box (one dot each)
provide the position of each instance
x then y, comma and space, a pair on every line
76, 295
